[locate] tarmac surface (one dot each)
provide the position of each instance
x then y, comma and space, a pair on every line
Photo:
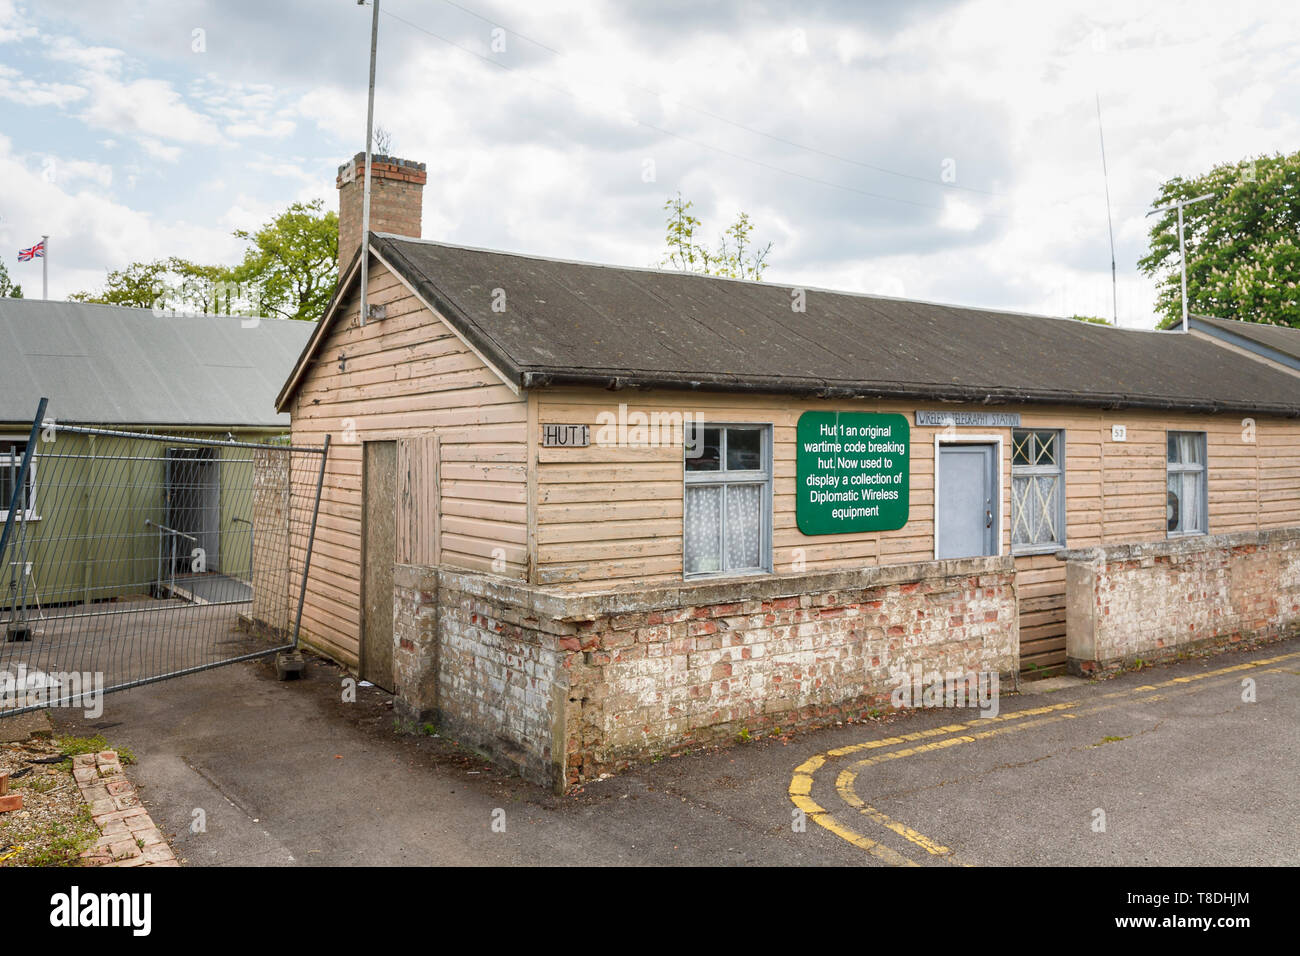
1171, 765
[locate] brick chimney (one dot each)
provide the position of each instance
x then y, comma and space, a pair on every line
396, 187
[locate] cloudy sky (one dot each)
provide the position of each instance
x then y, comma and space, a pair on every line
935, 150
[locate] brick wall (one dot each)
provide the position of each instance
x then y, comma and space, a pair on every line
1156, 600
565, 686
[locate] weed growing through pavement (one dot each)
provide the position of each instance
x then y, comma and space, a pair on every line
74, 746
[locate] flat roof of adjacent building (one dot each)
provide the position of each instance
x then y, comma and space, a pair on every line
111, 365
546, 322
1281, 343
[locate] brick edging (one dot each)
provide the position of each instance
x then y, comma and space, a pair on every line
116, 810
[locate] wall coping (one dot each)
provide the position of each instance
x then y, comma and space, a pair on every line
1193, 544
567, 605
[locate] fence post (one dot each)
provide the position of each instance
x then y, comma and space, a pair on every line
311, 537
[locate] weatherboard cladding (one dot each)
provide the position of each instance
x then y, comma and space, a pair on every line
571, 323
105, 364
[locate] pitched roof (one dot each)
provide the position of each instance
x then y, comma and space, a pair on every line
110, 365
577, 323
1278, 342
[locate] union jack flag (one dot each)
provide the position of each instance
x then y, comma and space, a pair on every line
34, 252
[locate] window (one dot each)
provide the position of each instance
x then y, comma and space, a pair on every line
727, 515
11, 461
1037, 490
1188, 508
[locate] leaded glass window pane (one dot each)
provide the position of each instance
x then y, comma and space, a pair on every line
1037, 489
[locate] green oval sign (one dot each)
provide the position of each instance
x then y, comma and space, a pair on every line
852, 472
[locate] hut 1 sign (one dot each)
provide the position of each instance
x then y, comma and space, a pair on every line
852, 472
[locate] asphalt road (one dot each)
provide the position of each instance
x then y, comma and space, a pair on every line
1165, 766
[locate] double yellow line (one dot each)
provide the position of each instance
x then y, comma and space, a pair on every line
955, 735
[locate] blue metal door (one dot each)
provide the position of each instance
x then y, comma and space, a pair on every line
967, 506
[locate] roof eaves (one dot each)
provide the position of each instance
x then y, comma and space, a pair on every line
618, 379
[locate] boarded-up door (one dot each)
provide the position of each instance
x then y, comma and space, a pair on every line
379, 496
418, 517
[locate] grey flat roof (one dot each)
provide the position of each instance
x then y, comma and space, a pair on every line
576, 323
109, 365
1280, 339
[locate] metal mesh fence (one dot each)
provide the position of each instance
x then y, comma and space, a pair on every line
129, 557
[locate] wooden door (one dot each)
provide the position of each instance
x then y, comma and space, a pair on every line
379, 496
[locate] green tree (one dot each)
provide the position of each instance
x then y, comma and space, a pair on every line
8, 288
206, 289
736, 256
141, 285
1242, 258
291, 267
1094, 319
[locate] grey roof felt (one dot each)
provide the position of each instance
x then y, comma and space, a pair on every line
1279, 342
109, 365
581, 323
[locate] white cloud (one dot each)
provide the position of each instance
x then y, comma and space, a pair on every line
1005, 88
97, 59
157, 150
959, 215
13, 25
28, 92
89, 232
278, 129
146, 106
65, 171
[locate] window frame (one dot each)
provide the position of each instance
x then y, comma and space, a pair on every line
762, 477
6, 442
1040, 471
1182, 468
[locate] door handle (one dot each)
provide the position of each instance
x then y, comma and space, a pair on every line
988, 517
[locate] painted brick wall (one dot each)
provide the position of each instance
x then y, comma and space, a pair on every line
1157, 600
567, 686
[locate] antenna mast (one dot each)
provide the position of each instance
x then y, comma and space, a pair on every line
1110, 229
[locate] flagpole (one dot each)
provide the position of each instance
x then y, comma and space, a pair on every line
365, 190
45, 267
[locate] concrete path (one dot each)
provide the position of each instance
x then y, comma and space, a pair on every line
1175, 765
